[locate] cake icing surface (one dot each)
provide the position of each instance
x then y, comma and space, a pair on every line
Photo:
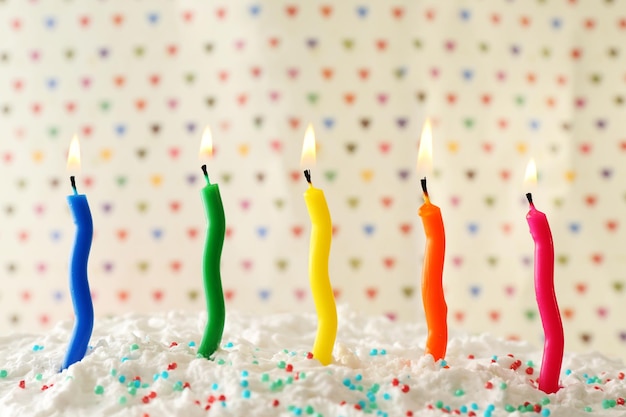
146, 366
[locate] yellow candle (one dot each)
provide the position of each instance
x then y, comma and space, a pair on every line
319, 250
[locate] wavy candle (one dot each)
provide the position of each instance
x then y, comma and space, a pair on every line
435, 308
79, 283
544, 291
211, 273
319, 250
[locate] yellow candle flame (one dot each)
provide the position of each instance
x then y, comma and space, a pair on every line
308, 157
530, 179
206, 145
425, 153
73, 156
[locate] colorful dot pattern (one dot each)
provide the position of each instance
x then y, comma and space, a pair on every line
502, 81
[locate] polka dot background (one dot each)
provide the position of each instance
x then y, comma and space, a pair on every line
502, 81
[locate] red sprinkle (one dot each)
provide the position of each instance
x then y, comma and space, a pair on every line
342, 403
395, 382
171, 366
222, 397
45, 387
309, 355
145, 399
530, 370
488, 385
207, 407
211, 399
620, 375
405, 388
515, 365
620, 401
471, 414
289, 367
152, 394
275, 403
22, 384
537, 408
197, 402
146, 415
357, 406
186, 385
470, 356
173, 344
409, 413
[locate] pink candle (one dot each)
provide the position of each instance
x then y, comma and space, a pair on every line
546, 299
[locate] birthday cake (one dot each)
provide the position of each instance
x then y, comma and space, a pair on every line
146, 366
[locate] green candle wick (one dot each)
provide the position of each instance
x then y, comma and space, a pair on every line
206, 174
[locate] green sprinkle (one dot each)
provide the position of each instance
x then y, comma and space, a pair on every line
221, 361
309, 409
545, 401
99, 390
132, 390
113, 372
289, 380
588, 409
3, 373
439, 404
134, 346
122, 400
530, 407
265, 377
503, 385
509, 408
459, 393
281, 365
302, 375
38, 377
375, 388
530, 363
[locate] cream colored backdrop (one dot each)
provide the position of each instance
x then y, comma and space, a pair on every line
503, 81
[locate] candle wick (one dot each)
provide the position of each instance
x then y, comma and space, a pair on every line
206, 174
307, 175
529, 196
424, 189
73, 182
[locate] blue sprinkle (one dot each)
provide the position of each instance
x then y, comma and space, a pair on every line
383, 351
124, 359
192, 343
491, 407
545, 412
165, 374
474, 406
362, 404
297, 411
358, 377
568, 371
443, 363
386, 396
228, 345
137, 383
373, 352
214, 386
122, 379
244, 374
244, 383
346, 382
245, 393
155, 377
463, 409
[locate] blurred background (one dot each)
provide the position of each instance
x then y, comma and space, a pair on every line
502, 81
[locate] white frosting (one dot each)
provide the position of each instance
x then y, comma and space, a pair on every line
262, 369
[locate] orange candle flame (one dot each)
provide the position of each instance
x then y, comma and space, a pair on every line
425, 153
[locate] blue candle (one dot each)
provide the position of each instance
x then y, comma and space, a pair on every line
79, 285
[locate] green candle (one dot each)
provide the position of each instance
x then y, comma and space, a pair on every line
216, 229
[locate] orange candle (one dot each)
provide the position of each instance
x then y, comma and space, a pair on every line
435, 307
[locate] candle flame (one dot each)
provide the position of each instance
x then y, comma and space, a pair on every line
73, 156
530, 178
206, 145
308, 158
425, 153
